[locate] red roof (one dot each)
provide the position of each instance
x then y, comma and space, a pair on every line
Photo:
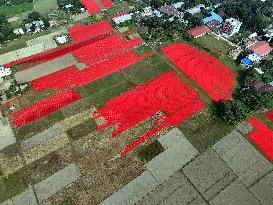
198, 31
261, 48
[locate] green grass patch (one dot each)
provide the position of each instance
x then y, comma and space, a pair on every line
16, 9
148, 152
34, 97
119, 7
141, 49
81, 130
13, 185
104, 89
203, 130
145, 71
266, 120
44, 6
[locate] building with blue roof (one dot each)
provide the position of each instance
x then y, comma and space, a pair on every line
247, 61
214, 16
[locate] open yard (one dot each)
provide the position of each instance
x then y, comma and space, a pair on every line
44, 6
16, 9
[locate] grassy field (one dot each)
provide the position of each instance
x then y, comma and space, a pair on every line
44, 6
16, 9
218, 48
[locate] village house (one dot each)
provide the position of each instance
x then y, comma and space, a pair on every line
260, 48
232, 26
196, 9
199, 31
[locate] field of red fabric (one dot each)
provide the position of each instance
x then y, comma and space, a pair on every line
45, 82
107, 3
60, 51
167, 93
92, 6
104, 49
90, 74
270, 115
262, 136
121, 13
210, 74
82, 33
44, 107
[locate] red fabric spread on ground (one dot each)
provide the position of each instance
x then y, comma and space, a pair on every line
212, 76
104, 49
107, 3
167, 93
270, 115
121, 13
98, 71
262, 136
59, 51
44, 107
45, 82
82, 33
92, 6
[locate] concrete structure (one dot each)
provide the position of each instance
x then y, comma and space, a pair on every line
42, 136
21, 53
132, 192
171, 138
6, 134
231, 172
172, 159
209, 174
235, 194
56, 182
44, 69
247, 162
263, 189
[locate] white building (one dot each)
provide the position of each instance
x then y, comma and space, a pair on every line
62, 39
178, 5
147, 11
123, 18
19, 31
254, 57
195, 10
232, 26
4, 72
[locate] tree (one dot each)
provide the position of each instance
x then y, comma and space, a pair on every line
251, 98
247, 78
6, 31
35, 16
231, 111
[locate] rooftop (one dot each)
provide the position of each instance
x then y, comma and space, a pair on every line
169, 10
198, 31
261, 48
212, 17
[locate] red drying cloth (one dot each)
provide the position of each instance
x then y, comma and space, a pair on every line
210, 74
44, 107
262, 136
92, 6
270, 115
167, 93
45, 82
121, 14
81, 32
